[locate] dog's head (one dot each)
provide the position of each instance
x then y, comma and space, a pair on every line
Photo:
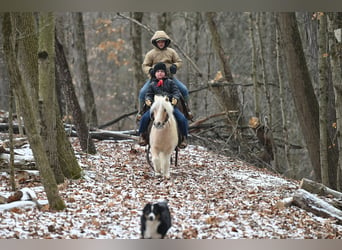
152, 211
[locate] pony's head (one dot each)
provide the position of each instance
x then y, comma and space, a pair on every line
161, 111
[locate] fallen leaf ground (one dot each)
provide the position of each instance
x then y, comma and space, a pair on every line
210, 197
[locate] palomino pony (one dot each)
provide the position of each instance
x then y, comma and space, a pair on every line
163, 135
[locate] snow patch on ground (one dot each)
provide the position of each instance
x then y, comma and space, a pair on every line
210, 197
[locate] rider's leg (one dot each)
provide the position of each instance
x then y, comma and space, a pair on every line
142, 94
145, 120
183, 126
185, 93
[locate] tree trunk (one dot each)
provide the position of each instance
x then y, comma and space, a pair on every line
36, 143
164, 22
4, 85
64, 81
318, 188
301, 87
289, 167
257, 110
323, 98
259, 24
227, 96
335, 47
47, 93
81, 66
139, 76
26, 48
316, 205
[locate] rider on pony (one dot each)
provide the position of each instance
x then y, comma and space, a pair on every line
161, 85
162, 53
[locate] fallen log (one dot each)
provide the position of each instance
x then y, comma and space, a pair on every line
318, 188
315, 205
287, 202
19, 160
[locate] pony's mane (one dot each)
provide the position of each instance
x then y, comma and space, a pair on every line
161, 101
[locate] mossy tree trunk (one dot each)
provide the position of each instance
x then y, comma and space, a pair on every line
47, 91
25, 102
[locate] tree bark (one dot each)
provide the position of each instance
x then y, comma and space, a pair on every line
323, 98
301, 87
47, 91
311, 203
81, 66
36, 143
318, 188
335, 47
64, 81
139, 76
257, 110
282, 99
227, 97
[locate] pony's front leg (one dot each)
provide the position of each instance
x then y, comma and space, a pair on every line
156, 165
165, 163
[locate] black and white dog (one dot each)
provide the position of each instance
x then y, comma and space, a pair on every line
155, 220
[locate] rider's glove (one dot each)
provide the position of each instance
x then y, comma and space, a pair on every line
173, 69
174, 101
148, 102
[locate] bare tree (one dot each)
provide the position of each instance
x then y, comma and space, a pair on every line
64, 82
139, 76
25, 102
335, 48
323, 98
288, 165
227, 96
257, 109
47, 90
301, 87
81, 67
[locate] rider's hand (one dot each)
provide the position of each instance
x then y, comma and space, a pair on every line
173, 69
174, 101
148, 102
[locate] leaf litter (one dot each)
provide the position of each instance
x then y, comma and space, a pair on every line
210, 196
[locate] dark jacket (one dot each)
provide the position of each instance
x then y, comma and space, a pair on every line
168, 88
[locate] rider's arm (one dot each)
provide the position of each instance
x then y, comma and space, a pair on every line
147, 64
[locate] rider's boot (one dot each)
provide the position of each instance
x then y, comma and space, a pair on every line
142, 141
186, 102
140, 111
184, 143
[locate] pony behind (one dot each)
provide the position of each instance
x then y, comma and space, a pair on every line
163, 136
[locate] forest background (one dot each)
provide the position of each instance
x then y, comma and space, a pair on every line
283, 68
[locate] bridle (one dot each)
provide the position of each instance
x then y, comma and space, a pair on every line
160, 125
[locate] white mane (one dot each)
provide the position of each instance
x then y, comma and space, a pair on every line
161, 101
